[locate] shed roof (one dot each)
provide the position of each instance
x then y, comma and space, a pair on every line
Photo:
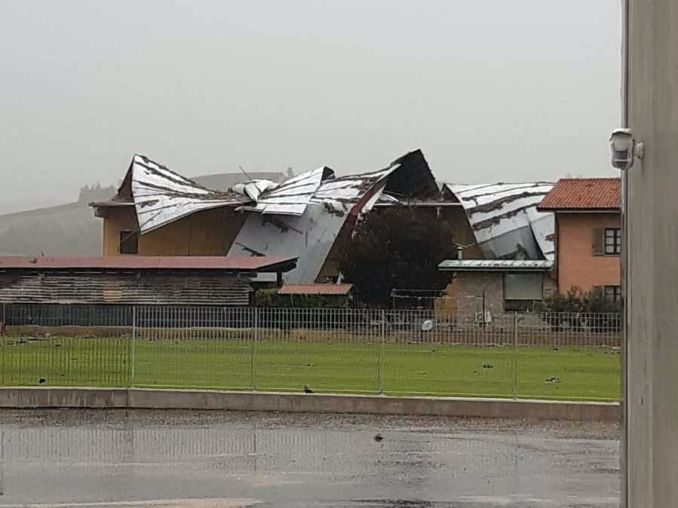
583, 194
315, 289
232, 264
495, 265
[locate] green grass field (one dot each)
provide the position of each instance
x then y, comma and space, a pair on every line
572, 373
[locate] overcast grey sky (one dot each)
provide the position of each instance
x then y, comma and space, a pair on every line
491, 90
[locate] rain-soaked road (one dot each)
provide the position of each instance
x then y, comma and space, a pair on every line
146, 458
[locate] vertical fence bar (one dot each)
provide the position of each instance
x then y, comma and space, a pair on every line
382, 352
132, 349
253, 349
514, 354
3, 345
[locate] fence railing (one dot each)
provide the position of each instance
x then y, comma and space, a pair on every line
531, 355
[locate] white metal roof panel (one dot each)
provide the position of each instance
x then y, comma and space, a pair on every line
292, 196
310, 235
508, 265
501, 216
162, 196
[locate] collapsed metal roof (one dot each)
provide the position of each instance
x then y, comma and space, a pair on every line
162, 196
304, 216
505, 219
300, 217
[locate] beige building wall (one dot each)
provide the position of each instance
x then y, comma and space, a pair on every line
206, 233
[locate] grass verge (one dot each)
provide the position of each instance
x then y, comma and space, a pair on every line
565, 373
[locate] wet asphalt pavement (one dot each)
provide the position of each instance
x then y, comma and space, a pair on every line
219, 459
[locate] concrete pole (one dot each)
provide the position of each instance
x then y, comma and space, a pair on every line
651, 264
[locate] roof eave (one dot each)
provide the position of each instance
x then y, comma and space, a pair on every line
286, 265
109, 204
555, 209
495, 269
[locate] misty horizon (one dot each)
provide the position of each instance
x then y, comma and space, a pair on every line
490, 92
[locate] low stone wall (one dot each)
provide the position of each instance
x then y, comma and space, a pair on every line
86, 398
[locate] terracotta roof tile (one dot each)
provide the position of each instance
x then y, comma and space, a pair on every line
315, 289
583, 194
232, 263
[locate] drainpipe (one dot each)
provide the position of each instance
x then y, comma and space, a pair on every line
625, 253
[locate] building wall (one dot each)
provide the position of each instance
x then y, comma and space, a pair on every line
206, 233
651, 384
577, 265
466, 292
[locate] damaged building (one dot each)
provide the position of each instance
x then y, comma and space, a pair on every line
510, 266
311, 216
158, 212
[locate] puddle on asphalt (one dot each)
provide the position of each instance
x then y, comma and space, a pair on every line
128, 458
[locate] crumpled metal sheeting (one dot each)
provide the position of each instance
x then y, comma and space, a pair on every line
413, 178
162, 196
351, 188
292, 196
505, 220
254, 188
544, 227
302, 216
334, 204
309, 236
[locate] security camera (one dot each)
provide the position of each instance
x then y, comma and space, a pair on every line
622, 146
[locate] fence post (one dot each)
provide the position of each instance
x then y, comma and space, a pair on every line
132, 350
3, 330
514, 355
382, 352
253, 350
2, 462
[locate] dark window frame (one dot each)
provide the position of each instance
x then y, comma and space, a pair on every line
612, 293
521, 305
612, 241
128, 242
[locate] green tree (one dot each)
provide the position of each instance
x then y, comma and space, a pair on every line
397, 248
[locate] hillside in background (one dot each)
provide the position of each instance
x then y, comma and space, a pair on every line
72, 229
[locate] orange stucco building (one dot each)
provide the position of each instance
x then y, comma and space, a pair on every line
587, 234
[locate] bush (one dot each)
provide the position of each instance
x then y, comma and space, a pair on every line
269, 297
578, 310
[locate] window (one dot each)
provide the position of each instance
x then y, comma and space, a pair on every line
612, 241
129, 242
522, 290
613, 293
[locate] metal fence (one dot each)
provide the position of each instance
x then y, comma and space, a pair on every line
406, 352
